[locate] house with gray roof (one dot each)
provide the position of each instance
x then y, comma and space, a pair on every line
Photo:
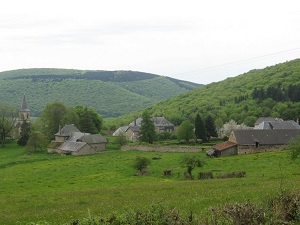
262, 140
70, 141
278, 124
161, 124
121, 131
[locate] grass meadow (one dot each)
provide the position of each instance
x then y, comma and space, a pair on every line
58, 189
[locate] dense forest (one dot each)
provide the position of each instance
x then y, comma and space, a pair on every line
110, 93
273, 91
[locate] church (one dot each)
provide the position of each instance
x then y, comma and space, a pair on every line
24, 117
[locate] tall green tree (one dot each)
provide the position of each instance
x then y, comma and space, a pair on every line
147, 131
185, 131
210, 127
8, 118
89, 120
24, 134
36, 142
200, 129
54, 115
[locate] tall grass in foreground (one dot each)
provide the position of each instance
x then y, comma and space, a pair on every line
57, 189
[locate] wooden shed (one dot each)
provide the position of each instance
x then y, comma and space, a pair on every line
226, 148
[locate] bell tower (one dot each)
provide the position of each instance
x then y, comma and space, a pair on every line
24, 113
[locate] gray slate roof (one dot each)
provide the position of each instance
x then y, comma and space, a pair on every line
93, 138
161, 121
67, 130
72, 146
265, 137
278, 125
267, 119
134, 128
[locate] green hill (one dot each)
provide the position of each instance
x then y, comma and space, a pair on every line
272, 91
111, 93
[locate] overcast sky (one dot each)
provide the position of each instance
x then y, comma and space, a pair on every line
194, 40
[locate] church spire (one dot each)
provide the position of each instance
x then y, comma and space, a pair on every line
24, 105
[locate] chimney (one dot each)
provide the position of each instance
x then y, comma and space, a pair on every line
59, 129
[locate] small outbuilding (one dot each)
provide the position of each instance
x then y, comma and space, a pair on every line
223, 149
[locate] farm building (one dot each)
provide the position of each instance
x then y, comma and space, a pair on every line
223, 149
260, 140
275, 123
70, 141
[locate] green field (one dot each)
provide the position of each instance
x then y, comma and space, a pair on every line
57, 189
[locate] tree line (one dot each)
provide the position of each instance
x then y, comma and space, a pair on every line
291, 93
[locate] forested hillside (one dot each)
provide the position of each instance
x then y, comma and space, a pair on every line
110, 93
273, 91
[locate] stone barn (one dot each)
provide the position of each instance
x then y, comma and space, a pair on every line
70, 141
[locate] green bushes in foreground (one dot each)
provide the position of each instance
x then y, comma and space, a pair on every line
282, 209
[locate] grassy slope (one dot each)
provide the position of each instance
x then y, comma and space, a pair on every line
110, 93
57, 189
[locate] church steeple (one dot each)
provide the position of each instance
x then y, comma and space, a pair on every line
24, 105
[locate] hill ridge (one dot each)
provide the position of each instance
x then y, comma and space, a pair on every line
111, 93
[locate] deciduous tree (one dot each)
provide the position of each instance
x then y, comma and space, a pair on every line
36, 142
8, 118
54, 115
191, 162
89, 120
185, 131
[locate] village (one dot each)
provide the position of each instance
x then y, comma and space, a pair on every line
267, 134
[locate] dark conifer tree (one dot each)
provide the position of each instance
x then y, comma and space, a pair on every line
147, 132
24, 135
210, 127
200, 130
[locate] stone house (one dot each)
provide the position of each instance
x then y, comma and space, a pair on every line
161, 124
70, 141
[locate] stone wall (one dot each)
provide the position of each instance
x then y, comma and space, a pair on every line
263, 148
161, 148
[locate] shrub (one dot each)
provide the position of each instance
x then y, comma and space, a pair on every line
286, 207
208, 175
236, 174
238, 214
141, 163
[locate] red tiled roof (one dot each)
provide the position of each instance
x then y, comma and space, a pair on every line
224, 145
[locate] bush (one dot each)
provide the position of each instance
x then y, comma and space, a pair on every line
236, 174
141, 163
208, 175
238, 214
286, 207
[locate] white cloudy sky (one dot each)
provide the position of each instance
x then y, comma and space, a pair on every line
194, 40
